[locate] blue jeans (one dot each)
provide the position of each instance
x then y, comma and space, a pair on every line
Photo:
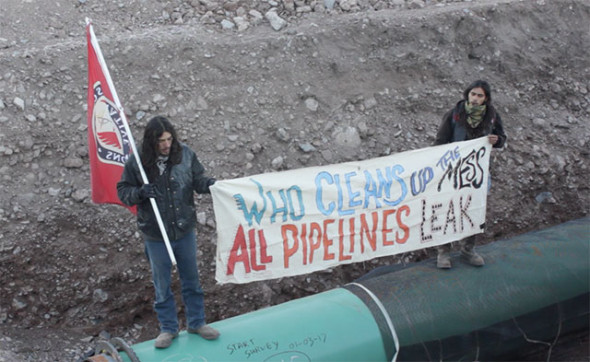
185, 252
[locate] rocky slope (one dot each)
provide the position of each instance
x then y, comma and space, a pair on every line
257, 90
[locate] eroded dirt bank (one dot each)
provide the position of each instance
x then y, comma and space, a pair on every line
244, 99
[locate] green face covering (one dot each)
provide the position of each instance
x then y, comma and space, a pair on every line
474, 114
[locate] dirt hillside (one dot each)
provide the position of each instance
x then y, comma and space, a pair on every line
256, 87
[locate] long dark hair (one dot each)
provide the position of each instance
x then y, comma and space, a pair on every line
483, 85
149, 148
485, 127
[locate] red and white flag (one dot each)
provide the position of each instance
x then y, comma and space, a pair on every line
110, 142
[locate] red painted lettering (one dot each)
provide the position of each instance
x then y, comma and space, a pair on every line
371, 235
289, 251
341, 255
313, 246
404, 227
385, 230
238, 253
327, 241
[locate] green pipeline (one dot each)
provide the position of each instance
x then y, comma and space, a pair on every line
427, 309
331, 326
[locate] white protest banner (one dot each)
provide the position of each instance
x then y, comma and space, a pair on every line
300, 221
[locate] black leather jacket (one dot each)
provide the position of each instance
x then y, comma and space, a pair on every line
175, 196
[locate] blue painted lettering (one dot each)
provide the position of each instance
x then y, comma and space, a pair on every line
325, 176
254, 211
449, 157
424, 176
376, 188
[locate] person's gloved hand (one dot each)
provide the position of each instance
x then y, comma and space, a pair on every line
147, 191
210, 182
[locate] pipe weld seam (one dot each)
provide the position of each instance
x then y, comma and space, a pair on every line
385, 315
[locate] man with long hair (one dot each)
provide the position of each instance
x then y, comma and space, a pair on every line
174, 174
472, 117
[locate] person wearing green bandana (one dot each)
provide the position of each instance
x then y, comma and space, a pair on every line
472, 117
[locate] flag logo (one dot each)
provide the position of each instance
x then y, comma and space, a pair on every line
111, 138
110, 142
